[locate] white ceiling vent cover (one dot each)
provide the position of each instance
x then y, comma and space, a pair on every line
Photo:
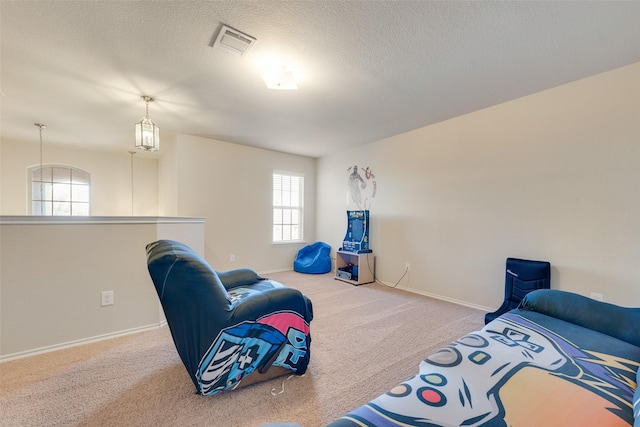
233, 41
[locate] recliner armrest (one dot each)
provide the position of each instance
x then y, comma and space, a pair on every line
240, 277
269, 301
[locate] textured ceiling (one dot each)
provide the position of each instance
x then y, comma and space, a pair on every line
367, 69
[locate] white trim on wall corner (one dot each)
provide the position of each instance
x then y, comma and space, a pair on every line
61, 346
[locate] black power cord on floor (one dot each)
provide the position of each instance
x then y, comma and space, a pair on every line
406, 270
375, 279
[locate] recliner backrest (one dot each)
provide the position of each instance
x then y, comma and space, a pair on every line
189, 289
176, 270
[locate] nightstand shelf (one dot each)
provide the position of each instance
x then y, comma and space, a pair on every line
355, 268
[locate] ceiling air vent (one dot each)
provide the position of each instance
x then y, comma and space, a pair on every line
233, 41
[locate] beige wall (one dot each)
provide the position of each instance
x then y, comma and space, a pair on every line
552, 176
110, 177
230, 185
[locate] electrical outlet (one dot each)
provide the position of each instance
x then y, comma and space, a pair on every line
232, 257
407, 266
106, 298
597, 296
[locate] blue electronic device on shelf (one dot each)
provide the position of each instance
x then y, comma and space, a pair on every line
357, 238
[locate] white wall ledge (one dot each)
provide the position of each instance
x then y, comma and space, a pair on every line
66, 220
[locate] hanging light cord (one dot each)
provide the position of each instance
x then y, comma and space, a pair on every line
132, 154
41, 126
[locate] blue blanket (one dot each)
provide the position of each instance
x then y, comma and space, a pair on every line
524, 368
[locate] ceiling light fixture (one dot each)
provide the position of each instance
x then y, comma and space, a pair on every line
146, 131
279, 77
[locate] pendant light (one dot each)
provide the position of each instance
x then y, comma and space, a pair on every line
147, 132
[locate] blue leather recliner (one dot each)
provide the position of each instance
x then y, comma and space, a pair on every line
228, 325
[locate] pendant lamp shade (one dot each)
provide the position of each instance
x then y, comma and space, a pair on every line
147, 132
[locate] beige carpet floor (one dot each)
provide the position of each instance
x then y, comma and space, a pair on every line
365, 340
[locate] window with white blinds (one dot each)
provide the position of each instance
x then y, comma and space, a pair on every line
60, 190
288, 196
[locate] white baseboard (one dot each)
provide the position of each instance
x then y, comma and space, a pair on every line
264, 273
415, 291
443, 298
75, 343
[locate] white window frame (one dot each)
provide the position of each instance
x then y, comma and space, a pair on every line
287, 215
69, 199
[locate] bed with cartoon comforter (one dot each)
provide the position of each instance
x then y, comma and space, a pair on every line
560, 359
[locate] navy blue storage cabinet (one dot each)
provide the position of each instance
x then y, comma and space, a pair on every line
522, 276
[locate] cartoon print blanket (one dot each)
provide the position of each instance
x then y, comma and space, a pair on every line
522, 369
280, 338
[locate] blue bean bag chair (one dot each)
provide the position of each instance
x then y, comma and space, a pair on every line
313, 259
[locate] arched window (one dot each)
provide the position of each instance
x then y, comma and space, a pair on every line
60, 190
